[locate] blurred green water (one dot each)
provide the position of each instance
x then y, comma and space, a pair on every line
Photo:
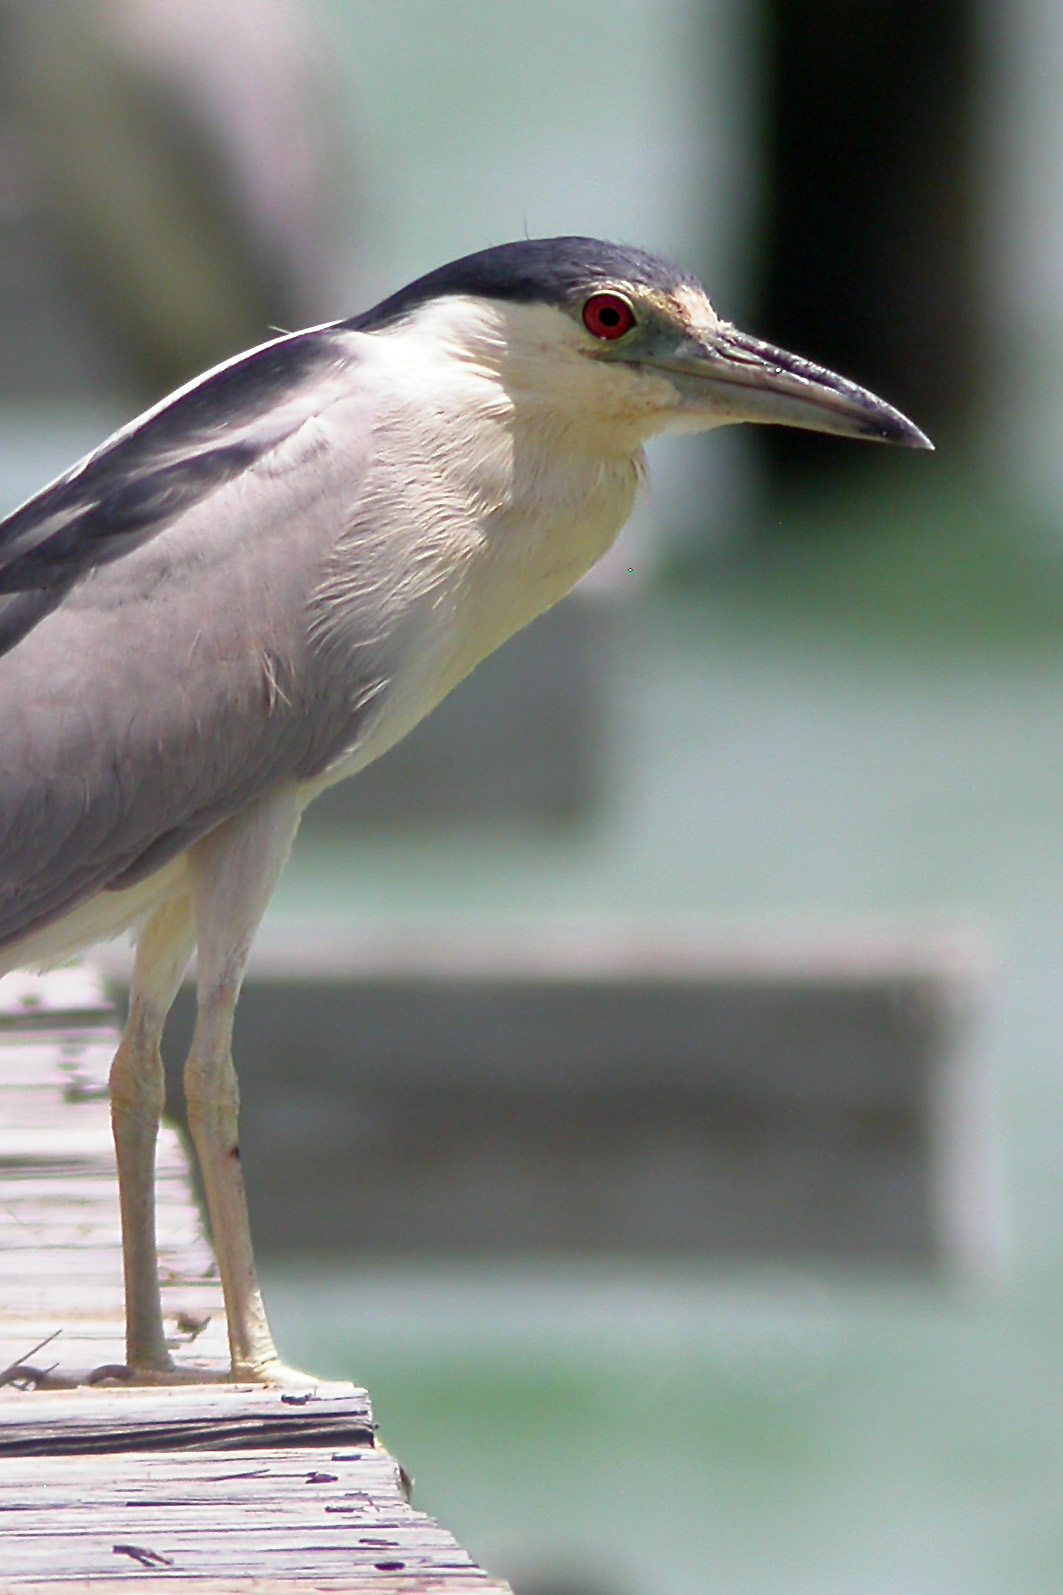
831, 730
712, 1433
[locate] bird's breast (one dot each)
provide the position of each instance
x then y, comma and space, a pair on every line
485, 503
481, 557
562, 510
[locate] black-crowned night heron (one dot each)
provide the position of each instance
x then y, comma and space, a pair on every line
265, 581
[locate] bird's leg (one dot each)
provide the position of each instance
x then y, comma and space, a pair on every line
137, 1095
233, 871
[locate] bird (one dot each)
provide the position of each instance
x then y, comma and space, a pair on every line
262, 583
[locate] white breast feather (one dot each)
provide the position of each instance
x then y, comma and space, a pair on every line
495, 486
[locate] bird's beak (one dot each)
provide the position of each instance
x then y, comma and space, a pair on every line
730, 376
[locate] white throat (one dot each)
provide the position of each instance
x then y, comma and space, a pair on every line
505, 490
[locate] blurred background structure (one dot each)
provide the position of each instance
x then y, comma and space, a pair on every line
820, 688
176, 183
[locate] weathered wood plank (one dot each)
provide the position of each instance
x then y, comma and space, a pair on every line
175, 1418
60, 1234
282, 1515
210, 1488
60, 1266
74, 994
320, 1584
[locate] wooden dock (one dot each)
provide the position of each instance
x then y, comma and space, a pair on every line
201, 1488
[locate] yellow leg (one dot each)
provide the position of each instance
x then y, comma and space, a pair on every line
233, 872
137, 1095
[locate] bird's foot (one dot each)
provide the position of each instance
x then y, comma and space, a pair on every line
121, 1374
275, 1374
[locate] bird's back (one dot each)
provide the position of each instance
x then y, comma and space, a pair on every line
163, 689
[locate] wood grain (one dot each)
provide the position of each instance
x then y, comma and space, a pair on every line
202, 1488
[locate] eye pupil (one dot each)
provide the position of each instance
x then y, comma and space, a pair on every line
608, 316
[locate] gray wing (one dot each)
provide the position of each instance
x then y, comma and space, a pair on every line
145, 476
160, 671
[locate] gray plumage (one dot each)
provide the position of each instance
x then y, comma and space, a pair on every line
166, 690
268, 579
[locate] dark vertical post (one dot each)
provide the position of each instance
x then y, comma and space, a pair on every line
870, 237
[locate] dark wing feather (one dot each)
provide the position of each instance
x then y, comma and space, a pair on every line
159, 693
150, 473
20, 612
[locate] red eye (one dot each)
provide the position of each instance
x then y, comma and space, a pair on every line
608, 316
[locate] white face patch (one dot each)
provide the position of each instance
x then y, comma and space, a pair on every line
696, 311
443, 329
527, 360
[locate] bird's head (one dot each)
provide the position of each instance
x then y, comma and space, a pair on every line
603, 331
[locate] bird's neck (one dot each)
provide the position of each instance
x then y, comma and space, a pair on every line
507, 472
495, 503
